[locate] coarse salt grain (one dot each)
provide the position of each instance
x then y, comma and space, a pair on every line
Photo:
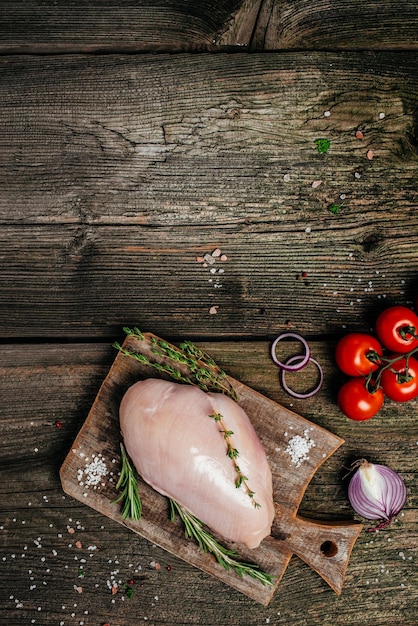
298, 448
209, 259
92, 474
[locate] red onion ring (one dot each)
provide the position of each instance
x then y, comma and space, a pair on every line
296, 394
304, 359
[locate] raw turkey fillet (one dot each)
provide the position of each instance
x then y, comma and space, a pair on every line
179, 450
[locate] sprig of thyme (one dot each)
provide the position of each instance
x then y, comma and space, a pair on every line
128, 484
195, 367
233, 454
194, 529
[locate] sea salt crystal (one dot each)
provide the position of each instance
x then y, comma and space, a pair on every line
209, 259
92, 474
298, 448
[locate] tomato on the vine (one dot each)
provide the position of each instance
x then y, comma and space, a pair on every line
397, 329
351, 354
357, 402
398, 383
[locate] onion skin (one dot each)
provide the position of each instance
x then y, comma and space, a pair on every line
376, 492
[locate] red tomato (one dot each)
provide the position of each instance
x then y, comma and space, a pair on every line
356, 402
351, 354
394, 321
399, 385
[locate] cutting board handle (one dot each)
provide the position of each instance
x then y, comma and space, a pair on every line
324, 546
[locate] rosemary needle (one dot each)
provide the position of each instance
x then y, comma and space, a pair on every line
207, 543
128, 484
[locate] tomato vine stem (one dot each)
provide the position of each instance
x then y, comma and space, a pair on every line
373, 383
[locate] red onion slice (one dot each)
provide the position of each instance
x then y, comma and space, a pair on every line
302, 359
307, 394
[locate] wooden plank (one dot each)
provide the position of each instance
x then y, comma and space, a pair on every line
205, 138
59, 26
334, 25
113, 201
123, 26
60, 281
381, 581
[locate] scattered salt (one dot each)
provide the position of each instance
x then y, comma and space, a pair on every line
298, 448
92, 474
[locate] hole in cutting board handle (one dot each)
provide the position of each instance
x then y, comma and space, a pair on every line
329, 549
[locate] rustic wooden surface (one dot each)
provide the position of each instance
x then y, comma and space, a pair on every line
119, 169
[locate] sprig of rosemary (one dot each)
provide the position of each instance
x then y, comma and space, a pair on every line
132, 509
128, 484
233, 454
227, 558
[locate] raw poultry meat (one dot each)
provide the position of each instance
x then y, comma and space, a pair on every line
179, 450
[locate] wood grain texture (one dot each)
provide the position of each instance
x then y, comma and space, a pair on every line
170, 25
335, 25
119, 168
42, 562
123, 26
118, 172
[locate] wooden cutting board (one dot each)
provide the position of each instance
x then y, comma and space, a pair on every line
90, 472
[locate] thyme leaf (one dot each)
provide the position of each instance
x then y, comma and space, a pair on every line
193, 529
322, 145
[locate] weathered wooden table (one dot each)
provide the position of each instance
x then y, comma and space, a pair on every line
135, 138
